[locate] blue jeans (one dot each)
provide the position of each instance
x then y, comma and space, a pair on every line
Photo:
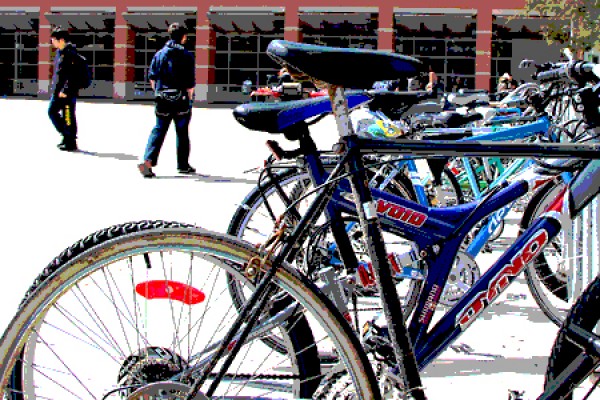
157, 137
62, 114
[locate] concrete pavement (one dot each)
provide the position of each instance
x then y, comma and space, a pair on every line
50, 199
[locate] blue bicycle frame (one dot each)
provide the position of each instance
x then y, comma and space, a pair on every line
531, 129
438, 233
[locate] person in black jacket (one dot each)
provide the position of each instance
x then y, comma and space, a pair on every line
173, 78
64, 91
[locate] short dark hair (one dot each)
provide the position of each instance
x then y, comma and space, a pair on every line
59, 33
177, 31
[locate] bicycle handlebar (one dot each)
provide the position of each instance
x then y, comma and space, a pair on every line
580, 71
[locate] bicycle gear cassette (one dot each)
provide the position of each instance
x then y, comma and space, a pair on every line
463, 275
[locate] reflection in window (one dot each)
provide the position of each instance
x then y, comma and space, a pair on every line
515, 38
349, 30
241, 41
19, 61
444, 41
98, 48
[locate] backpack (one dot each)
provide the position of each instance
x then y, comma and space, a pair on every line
82, 74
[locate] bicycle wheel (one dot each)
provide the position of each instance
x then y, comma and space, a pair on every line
547, 276
131, 307
566, 355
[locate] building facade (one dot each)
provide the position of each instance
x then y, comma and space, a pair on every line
477, 41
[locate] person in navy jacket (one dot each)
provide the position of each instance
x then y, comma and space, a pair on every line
173, 78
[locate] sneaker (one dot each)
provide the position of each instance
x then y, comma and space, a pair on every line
67, 146
146, 171
187, 170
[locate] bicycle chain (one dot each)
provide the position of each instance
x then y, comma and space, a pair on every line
259, 376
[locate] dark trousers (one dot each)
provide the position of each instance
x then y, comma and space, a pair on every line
62, 115
157, 137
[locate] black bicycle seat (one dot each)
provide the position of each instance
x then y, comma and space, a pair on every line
278, 117
349, 68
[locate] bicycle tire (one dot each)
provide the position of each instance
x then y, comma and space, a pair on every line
93, 358
585, 313
547, 286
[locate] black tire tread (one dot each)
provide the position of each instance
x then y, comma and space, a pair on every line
95, 239
584, 313
300, 332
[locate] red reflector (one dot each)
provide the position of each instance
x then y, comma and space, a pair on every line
165, 289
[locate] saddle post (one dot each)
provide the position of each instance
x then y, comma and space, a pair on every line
407, 374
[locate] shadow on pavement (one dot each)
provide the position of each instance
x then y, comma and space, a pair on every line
500, 310
117, 156
445, 368
209, 178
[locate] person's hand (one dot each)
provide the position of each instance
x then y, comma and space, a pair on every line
62, 95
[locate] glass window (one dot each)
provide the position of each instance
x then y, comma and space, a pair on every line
405, 47
28, 56
7, 55
240, 54
7, 40
104, 73
430, 48
221, 60
222, 76
243, 60
19, 61
244, 43
265, 40
97, 46
461, 67
457, 48
104, 58
516, 38
27, 71
222, 42
350, 30
139, 74
267, 62
442, 40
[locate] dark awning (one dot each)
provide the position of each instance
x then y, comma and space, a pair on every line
84, 20
158, 20
16, 20
230, 20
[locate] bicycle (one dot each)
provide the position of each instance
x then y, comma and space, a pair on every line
490, 285
352, 373
258, 213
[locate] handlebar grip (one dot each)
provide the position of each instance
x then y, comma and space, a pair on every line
554, 74
587, 71
579, 71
